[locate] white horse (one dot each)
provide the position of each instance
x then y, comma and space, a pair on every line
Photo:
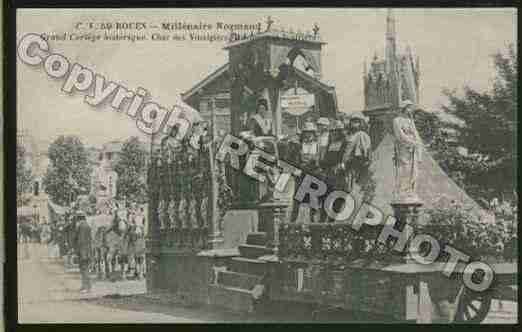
99, 226
117, 247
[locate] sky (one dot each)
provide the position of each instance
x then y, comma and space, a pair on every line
454, 47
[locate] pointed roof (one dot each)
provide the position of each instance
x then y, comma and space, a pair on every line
391, 43
314, 81
321, 85
206, 81
435, 187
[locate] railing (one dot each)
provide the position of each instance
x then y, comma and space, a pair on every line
180, 198
330, 243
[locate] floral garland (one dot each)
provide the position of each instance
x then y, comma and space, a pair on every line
462, 230
335, 244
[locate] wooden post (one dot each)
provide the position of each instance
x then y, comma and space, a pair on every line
215, 229
272, 213
297, 116
279, 118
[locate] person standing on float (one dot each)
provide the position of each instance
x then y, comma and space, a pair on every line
259, 125
331, 163
356, 156
323, 135
309, 163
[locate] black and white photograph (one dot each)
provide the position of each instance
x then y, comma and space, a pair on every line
266, 165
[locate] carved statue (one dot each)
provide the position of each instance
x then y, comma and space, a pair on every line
161, 214
408, 146
171, 145
172, 217
269, 22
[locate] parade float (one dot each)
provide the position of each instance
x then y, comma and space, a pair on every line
214, 240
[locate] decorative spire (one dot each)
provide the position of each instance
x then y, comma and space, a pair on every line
391, 41
390, 24
365, 84
269, 23
391, 60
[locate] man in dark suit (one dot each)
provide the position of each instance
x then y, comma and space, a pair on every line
84, 250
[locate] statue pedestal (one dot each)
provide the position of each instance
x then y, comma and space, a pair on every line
216, 241
409, 199
406, 212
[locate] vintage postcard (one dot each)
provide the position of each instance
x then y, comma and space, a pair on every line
206, 165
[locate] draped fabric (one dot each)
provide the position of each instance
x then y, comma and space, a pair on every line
309, 56
260, 126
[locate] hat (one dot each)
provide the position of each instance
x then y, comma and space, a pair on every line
262, 102
309, 126
338, 124
357, 116
323, 121
247, 134
406, 103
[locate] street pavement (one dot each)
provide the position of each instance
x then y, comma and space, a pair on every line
49, 293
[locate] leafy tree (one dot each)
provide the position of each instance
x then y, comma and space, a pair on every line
69, 173
24, 176
428, 125
488, 133
131, 169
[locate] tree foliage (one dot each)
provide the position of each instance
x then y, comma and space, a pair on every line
131, 169
488, 132
24, 176
428, 125
69, 172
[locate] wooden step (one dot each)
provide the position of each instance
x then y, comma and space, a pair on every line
248, 265
231, 298
253, 251
256, 238
237, 280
